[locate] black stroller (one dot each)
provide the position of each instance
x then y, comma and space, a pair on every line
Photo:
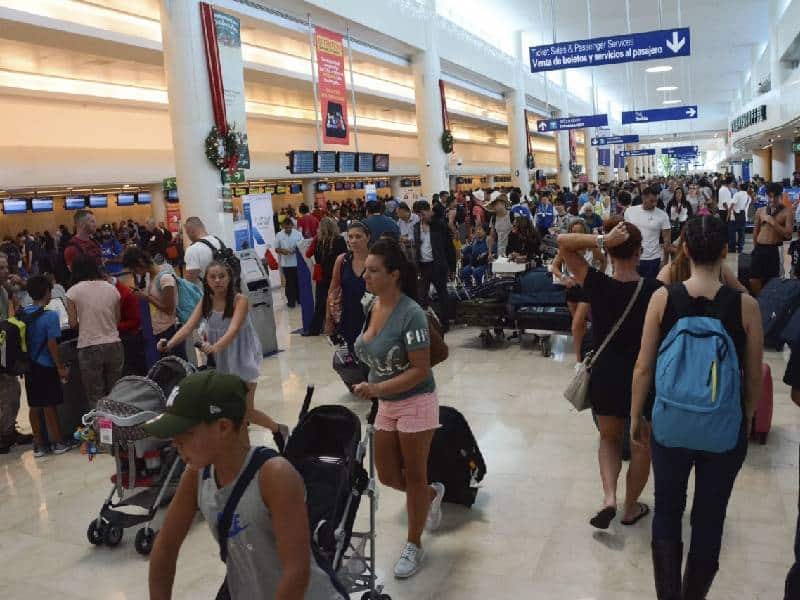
327, 449
147, 470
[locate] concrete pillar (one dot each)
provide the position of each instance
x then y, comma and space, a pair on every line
564, 174
591, 154
159, 203
737, 170
394, 184
762, 164
452, 182
191, 116
490, 181
309, 192
517, 137
427, 72
782, 160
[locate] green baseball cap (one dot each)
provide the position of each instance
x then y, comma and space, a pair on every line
201, 397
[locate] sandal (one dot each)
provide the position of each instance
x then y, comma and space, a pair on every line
643, 512
603, 519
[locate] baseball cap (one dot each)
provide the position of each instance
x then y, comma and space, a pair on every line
201, 397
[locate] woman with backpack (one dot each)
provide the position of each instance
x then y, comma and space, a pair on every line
703, 346
618, 305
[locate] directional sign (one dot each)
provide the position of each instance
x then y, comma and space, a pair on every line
615, 139
681, 151
675, 113
603, 157
631, 47
619, 161
641, 152
572, 123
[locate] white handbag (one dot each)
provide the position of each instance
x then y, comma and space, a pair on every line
577, 391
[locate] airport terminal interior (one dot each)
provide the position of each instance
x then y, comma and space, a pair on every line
411, 227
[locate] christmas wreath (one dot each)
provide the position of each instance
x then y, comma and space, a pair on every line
223, 149
447, 141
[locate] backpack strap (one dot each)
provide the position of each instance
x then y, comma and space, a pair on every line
211, 246
258, 458
222, 245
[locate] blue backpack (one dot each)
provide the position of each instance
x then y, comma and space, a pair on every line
698, 401
189, 295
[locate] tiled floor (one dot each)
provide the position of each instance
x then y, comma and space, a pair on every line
527, 536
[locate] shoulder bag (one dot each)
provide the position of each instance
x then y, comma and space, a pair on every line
578, 390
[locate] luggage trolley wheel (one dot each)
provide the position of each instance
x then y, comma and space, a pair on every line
112, 535
94, 533
144, 541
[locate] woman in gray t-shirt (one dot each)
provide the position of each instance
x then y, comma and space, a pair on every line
395, 344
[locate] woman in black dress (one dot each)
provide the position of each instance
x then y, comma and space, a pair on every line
326, 247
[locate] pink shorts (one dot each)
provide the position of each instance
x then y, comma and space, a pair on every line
412, 415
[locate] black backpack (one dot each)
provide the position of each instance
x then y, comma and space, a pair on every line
226, 256
455, 459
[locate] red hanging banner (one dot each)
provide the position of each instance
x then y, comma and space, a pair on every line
332, 90
213, 65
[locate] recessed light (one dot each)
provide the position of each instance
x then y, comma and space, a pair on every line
779, 135
672, 101
667, 88
659, 69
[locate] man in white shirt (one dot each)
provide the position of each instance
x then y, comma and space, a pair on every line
655, 227
725, 199
737, 219
286, 242
198, 256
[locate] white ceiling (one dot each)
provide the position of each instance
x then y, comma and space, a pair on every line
725, 35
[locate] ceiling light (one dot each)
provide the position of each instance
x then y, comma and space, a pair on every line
667, 88
779, 135
672, 101
659, 69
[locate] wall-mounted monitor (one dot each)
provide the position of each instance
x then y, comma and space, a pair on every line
325, 161
147, 197
280, 189
74, 202
323, 186
381, 163
98, 201
348, 185
379, 184
172, 196
301, 161
338, 186
345, 162
42, 205
15, 206
125, 199
366, 162
296, 188
359, 185
417, 183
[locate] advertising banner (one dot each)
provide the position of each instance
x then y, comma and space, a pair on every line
174, 218
370, 192
241, 234
572, 122
603, 157
332, 91
677, 113
609, 50
619, 161
258, 209
229, 48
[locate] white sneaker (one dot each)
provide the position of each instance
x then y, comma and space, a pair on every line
435, 511
409, 562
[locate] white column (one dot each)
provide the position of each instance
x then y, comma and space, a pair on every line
309, 192
515, 112
782, 160
427, 71
737, 170
591, 154
490, 181
394, 184
159, 203
452, 182
191, 115
761, 164
564, 174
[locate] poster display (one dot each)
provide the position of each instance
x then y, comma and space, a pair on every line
241, 234
229, 45
174, 218
258, 213
370, 192
332, 91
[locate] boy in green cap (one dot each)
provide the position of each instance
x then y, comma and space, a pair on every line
266, 547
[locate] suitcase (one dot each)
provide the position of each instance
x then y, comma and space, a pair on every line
548, 318
481, 312
75, 404
743, 269
349, 368
778, 301
455, 459
762, 419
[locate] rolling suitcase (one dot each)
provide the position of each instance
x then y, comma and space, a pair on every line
539, 304
762, 419
778, 301
349, 368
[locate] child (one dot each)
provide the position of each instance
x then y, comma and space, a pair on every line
475, 258
267, 537
230, 336
43, 381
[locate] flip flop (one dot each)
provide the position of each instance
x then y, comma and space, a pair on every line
645, 510
603, 519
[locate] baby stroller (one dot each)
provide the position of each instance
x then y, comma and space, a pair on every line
327, 450
147, 470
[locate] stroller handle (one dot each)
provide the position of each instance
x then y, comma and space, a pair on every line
306, 402
133, 420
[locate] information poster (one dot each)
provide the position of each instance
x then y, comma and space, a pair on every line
258, 212
332, 90
370, 192
241, 234
229, 44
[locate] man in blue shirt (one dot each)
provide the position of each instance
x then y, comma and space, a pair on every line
521, 210
378, 223
112, 251
545, 213
47, 371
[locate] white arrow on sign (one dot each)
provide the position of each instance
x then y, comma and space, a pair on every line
691, 112
640, 117
675, 44
542, 126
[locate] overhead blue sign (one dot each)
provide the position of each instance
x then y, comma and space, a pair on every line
604, 157
619, 161
610, 50
676, 113
680, 151
615, 139
572, 123
640, 152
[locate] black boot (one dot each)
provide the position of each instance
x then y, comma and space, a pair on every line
5, 444
667, 559
697, 578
